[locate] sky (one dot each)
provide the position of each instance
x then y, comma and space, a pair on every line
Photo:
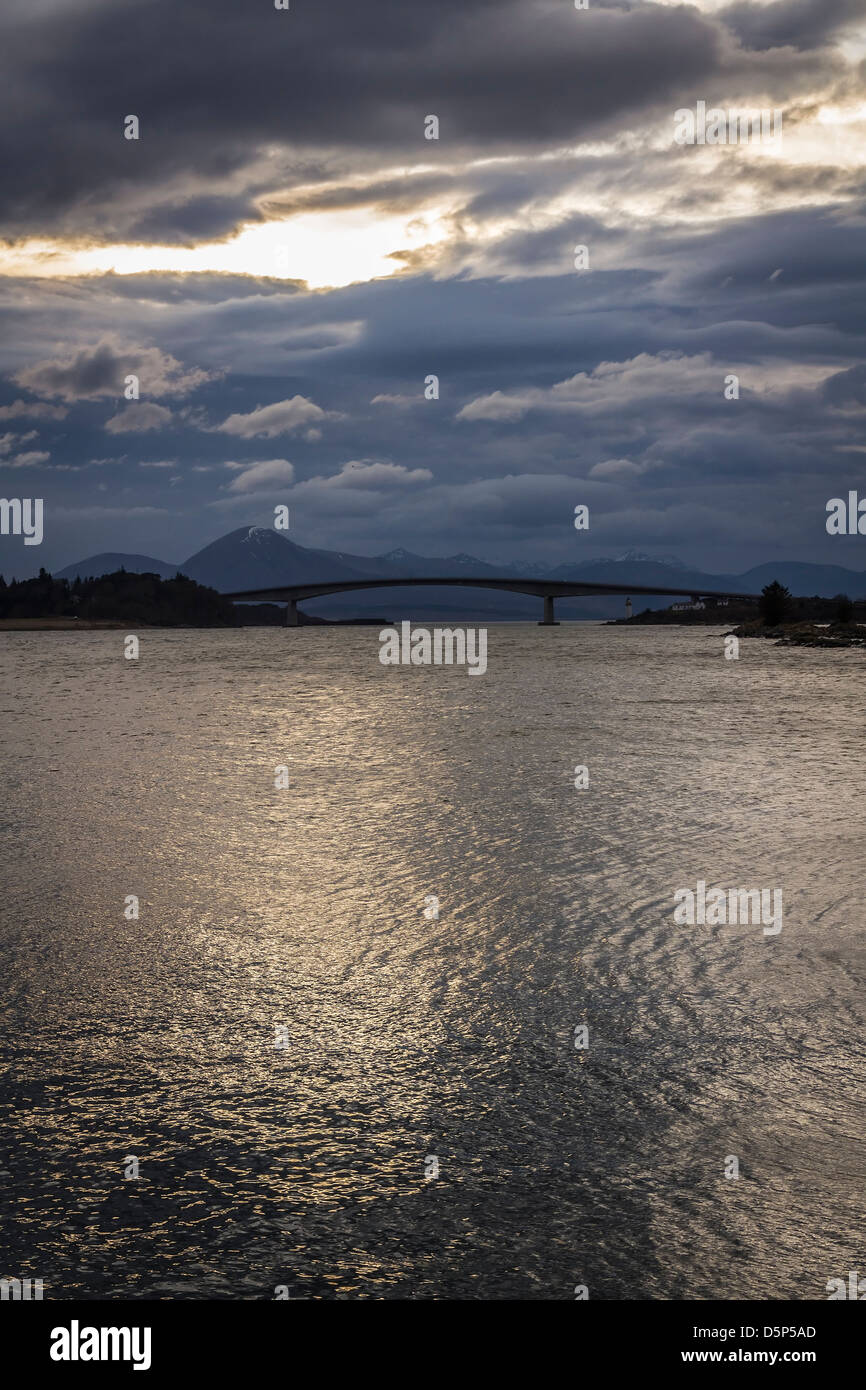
284, 259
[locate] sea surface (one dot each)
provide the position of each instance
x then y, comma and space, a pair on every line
297, 914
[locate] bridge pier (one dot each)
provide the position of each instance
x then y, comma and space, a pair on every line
291, 619
548, 620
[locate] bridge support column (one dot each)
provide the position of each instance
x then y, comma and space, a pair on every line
291, 618
548, 620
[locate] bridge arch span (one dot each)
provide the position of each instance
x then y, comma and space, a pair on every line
546, 589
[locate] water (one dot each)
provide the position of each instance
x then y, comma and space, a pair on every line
411, 1037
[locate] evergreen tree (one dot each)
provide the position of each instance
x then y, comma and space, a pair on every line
774, 603
844, 610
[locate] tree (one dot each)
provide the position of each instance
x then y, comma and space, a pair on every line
844, 611
774, 602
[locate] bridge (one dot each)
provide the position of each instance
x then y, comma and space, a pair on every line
546, 589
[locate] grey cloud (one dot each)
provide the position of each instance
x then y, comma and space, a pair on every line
263, 477
10, 441
138, 418
188, 220
280, 417
369, 474
801, 24
35, 458
96, 372
34, 410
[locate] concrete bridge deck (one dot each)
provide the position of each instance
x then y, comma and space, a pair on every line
546, 589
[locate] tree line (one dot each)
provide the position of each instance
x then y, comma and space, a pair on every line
121, 596
776, 605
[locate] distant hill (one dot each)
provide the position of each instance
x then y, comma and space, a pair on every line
807, 580
801, 578
109, 562
431, 567
258, 557
644, 572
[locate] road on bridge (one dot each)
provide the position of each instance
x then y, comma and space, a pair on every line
546, 589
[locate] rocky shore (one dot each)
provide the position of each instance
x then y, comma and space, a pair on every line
807, 634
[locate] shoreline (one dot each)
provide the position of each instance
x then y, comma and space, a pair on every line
836, 635
60, 624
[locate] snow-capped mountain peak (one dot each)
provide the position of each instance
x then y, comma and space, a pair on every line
640, 557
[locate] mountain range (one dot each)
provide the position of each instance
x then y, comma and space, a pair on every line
256, 557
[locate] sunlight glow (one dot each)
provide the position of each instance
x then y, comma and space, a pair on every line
325, 249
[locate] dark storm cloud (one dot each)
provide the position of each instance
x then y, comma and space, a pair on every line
801, 24
190, 220
192, 288
234, 99
847, 390
388, 194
